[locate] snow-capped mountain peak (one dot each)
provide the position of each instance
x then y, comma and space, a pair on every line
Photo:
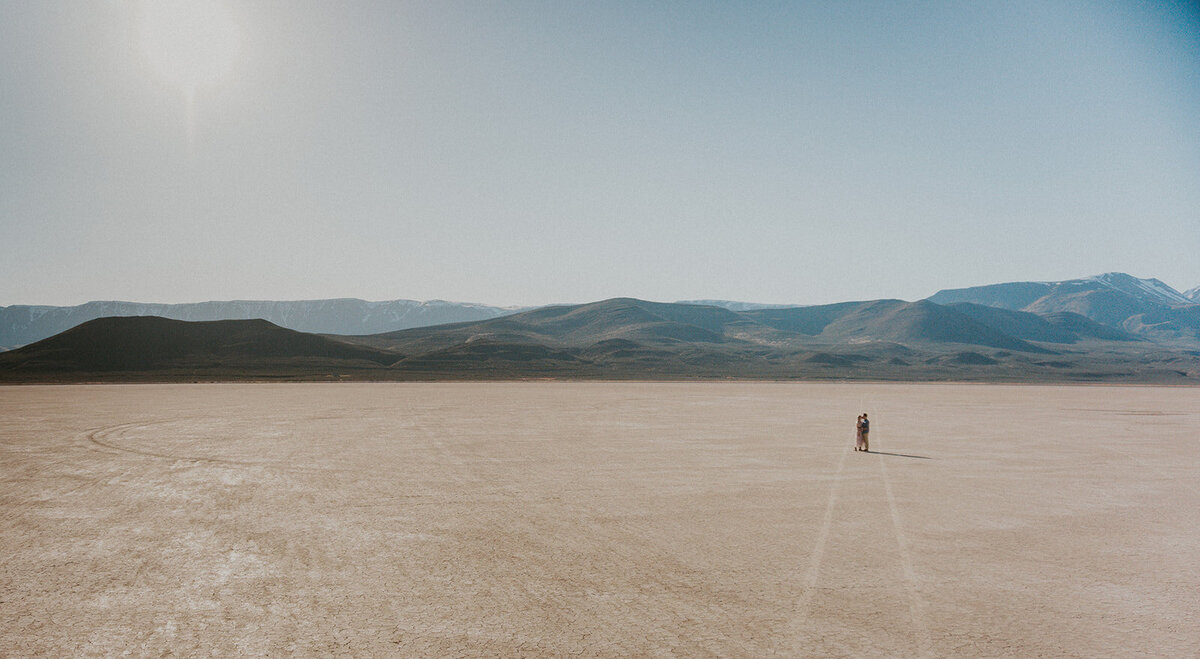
1151, 289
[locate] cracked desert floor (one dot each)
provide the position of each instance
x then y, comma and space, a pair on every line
599, 519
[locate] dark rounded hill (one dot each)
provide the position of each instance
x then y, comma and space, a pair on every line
139, 343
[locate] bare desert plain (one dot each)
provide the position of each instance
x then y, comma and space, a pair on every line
599, 519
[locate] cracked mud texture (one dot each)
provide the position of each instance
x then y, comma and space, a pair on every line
599, 519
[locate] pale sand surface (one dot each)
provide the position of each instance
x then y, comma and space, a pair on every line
599, 519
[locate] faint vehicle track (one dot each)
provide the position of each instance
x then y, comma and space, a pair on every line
917, 606
818, 552
107, 437
104, 437
916, 603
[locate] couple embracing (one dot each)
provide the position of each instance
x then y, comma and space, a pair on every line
861, 429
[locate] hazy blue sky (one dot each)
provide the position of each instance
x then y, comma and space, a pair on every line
523, 153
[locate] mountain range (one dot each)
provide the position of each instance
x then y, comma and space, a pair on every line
1113, 299
22, 324
1146, 307
1110, 328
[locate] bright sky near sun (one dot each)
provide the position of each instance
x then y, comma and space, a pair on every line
564, 151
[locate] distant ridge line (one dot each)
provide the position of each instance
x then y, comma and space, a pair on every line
1128, 306
24, 324
627, 338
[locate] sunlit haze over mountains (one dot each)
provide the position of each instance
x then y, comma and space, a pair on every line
519, 153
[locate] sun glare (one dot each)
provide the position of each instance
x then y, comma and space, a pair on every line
191, 43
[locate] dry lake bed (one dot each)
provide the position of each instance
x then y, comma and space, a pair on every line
602, 519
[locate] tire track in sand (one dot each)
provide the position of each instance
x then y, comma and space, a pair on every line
100, 437
104, 437
818, 553
916, 604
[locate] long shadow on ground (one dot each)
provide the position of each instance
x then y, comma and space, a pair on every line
900, 455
